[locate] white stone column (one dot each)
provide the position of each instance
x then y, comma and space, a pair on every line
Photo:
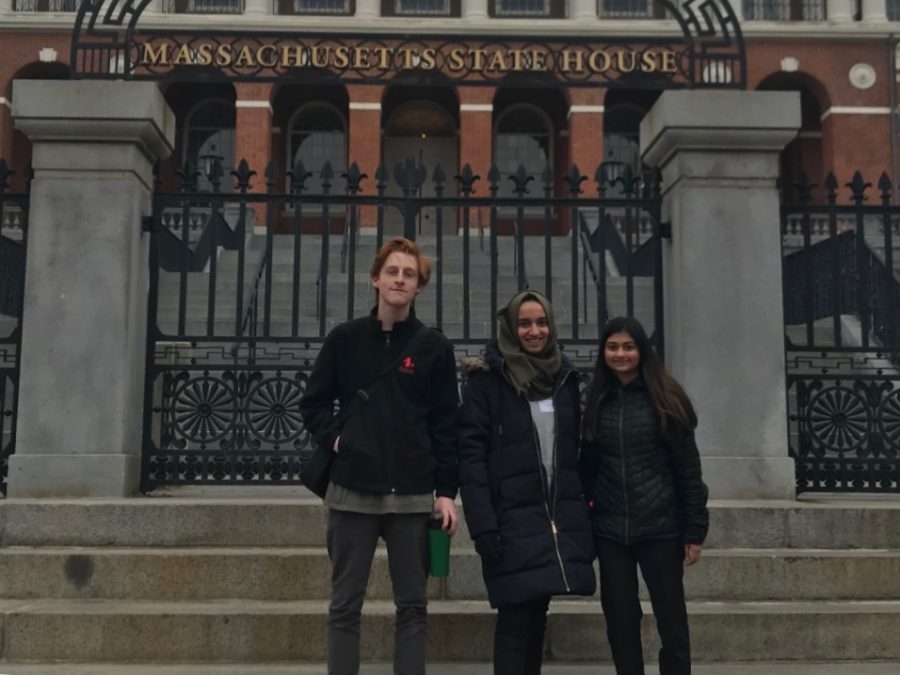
6, 6
738, 7
475, 10
258, 7
581, 10
839, 11
718, 153
155, 7
368, 9
874, 11
84, 331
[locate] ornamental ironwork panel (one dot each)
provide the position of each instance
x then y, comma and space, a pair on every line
842, 316
109, 42
246, 283
13, 235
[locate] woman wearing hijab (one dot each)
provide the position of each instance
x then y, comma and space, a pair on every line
518, 461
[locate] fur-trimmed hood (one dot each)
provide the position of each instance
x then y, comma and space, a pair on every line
491, 361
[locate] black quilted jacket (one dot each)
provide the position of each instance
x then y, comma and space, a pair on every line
544, 530
640, 486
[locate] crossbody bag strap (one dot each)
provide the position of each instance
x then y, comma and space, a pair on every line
364, 394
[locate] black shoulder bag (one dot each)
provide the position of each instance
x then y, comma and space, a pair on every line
317, 471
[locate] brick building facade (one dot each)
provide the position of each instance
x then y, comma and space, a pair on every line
840, 54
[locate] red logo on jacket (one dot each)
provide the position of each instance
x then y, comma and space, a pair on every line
408, 366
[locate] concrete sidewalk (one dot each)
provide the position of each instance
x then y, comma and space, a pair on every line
857, 668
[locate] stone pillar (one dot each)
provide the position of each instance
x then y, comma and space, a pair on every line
6, 6
368, 9
839, 11
586, 132
84, 334
257, 7
475, 10
737, 7
364, 141
582, 10
718, 152
874, 11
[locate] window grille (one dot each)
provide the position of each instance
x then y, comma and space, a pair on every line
422, 7
784, 10
522, 7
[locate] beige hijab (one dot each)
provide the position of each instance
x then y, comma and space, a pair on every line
531, 375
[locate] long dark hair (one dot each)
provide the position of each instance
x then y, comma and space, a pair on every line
676, 414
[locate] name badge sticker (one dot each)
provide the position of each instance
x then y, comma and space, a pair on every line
546, 406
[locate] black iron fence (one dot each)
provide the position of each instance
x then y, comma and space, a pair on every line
245, 284
13, 234
842, 320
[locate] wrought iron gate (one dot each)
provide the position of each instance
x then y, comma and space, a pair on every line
13, 234
245, 285
842, 316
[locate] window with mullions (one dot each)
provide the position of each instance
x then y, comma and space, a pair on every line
633, 9
317, 134
521, 7
893, 10
319, 6
523, 136
203, 6
784, 10
424, 7
209, 135
45, 6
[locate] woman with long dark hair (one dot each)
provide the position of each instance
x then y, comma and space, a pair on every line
518, 469
641, 474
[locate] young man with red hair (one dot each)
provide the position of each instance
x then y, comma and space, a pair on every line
395, 460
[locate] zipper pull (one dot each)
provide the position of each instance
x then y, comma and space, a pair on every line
553, 527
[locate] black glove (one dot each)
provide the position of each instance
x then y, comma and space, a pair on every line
489, 547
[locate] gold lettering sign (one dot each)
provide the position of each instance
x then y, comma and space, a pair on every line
572, 60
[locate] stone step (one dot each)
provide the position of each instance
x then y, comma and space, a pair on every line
287, 516
550, 667
302, 573
228, 631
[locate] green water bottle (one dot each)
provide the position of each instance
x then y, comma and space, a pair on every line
438, 547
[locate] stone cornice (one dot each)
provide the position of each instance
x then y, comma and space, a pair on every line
753, 30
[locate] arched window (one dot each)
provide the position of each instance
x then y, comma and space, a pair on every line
621, 138
317, 134
209, 134
523, 136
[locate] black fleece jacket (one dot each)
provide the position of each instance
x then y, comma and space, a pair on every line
403, 439
642, 487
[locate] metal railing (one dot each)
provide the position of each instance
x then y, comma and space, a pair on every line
842, 335
13, 240
229, 352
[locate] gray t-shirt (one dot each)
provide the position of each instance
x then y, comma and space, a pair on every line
340, 498
545, 424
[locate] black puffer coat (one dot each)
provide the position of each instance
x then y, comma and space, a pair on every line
640, 486
504, 489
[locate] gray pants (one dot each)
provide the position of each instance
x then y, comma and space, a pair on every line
351, 540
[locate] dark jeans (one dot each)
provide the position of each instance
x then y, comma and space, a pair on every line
661, 562
351, 539
519, 638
